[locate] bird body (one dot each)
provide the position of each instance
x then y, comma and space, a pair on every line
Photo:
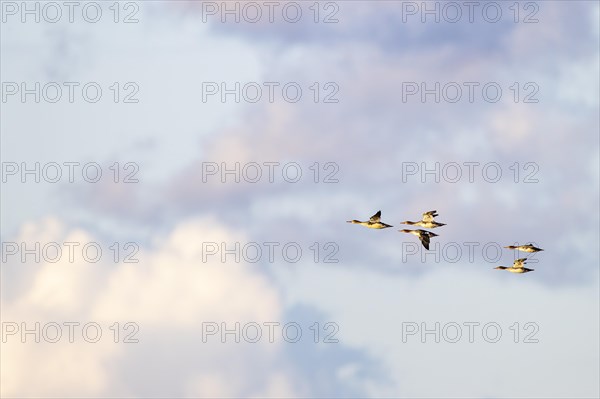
529, 248
373, 223
428, 225
517, 267
518, 270
427, 221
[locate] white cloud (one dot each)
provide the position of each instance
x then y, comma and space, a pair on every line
170, 291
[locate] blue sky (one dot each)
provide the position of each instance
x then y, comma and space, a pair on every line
370, 134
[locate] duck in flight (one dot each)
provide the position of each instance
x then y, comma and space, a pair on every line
525, 248
517, 267
424, 236
373, 223
427, 221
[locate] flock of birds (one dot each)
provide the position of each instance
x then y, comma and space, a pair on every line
425, 236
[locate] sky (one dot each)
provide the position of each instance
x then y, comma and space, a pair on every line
177, 177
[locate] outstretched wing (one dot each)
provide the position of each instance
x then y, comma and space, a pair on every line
376, 217
428, 216
425, 241
519, 262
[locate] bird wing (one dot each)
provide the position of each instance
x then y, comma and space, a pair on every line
425, 241
376, 217
428, 216
519, 262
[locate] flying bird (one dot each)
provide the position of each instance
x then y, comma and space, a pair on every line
525, 248
373, 223
424, 236
427, 221
517, 267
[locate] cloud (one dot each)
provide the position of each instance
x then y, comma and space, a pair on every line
171, 288
169, 294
